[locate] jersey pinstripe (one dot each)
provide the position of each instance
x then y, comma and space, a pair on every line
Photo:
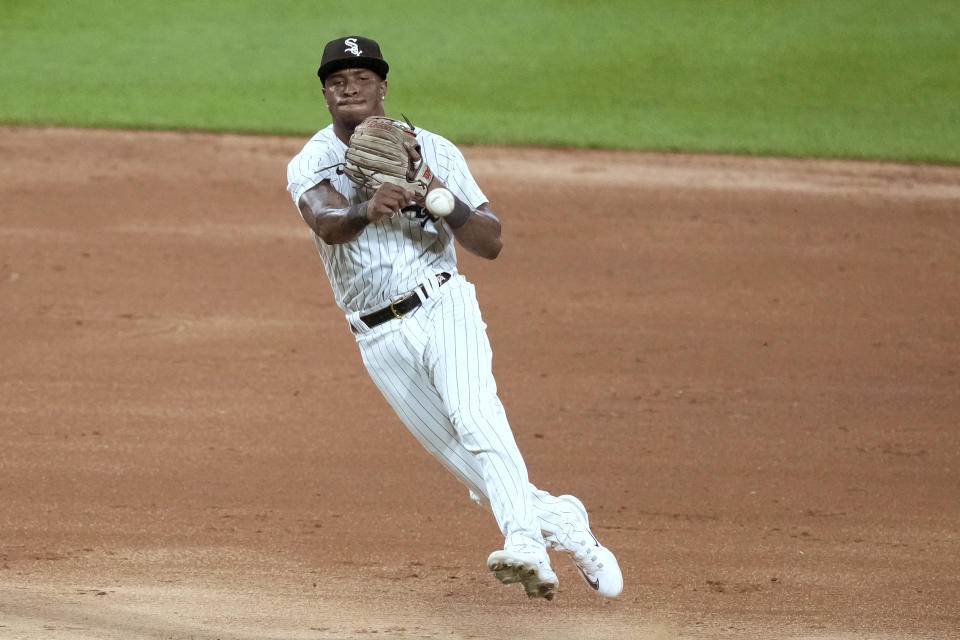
391, 257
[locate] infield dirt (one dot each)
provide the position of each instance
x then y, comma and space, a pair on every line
748, 369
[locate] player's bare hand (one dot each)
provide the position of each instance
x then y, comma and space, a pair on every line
387, 200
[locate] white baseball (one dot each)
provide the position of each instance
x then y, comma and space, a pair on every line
440, 202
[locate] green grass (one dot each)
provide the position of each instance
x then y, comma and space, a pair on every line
844, 78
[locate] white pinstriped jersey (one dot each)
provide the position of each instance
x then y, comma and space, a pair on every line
391, 257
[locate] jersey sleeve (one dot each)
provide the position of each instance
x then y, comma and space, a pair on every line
451, 167
307, 170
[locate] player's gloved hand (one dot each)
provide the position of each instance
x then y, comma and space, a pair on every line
385, 151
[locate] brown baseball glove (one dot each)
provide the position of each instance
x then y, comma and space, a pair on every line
386, 150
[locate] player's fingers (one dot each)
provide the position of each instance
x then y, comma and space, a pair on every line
385, 204
397, 201
401, 193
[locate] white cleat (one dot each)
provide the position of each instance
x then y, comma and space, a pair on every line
532, 570
596, 564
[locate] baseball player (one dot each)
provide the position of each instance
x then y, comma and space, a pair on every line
393, 270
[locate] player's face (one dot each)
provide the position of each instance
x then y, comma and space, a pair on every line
354, 94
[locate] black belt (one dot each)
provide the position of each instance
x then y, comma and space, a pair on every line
401, 306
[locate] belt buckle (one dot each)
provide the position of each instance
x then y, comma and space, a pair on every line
393, 309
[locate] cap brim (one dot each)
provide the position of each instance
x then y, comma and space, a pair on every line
374, 64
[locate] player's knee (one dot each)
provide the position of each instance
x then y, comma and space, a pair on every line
481, 428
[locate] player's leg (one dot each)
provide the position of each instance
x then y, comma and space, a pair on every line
393, 361
459, 361
458, 358
393, 358
395, 367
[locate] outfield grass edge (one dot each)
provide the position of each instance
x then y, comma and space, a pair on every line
303, 136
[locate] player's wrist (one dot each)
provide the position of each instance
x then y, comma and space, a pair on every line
357, 216
460, 214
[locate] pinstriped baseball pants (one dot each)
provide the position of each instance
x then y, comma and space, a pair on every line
434, 368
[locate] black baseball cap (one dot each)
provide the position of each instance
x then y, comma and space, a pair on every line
349, 52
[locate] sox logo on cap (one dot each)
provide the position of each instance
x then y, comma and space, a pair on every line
352, 46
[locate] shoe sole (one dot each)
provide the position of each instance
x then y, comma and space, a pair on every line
514, 571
